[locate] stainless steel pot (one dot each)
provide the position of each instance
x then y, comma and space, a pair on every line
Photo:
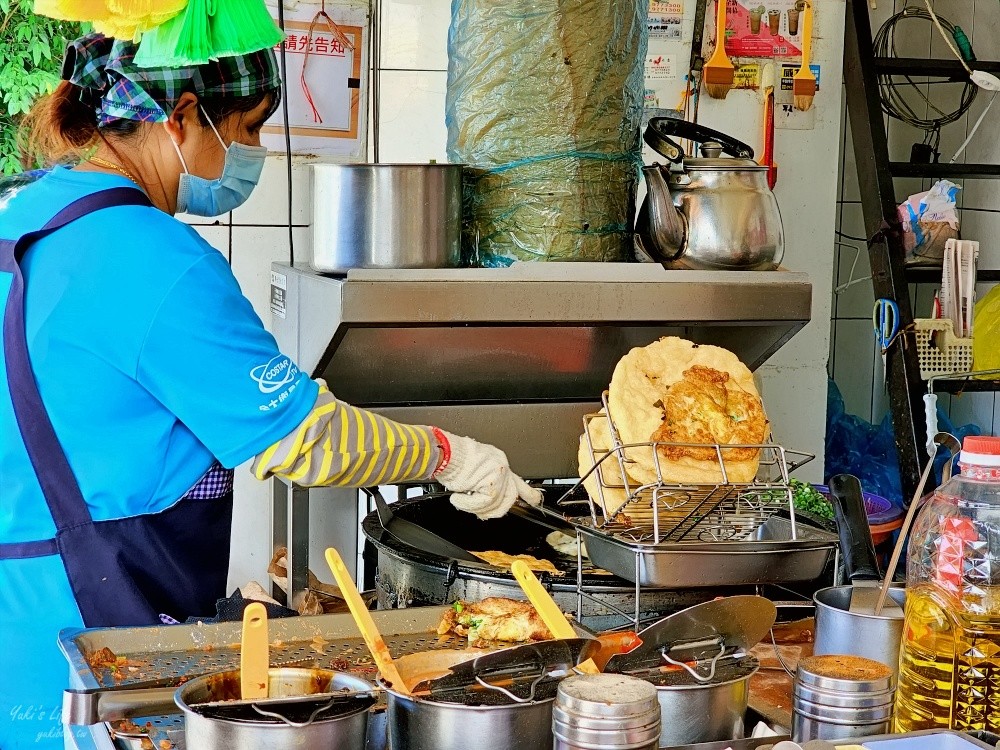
343, 727
703, 712
709, 212
386, 216
840, 631
860, 633
422, 724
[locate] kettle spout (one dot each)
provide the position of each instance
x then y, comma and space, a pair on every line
666, 228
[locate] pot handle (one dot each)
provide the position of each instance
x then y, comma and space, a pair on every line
852, 524
659, 130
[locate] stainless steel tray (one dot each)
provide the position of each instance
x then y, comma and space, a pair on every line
772, 556
172, 654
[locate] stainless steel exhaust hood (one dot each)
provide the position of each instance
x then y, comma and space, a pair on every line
516, 356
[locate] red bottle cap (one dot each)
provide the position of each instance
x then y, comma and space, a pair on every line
983, 445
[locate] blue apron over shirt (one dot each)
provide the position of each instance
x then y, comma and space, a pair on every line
105, 570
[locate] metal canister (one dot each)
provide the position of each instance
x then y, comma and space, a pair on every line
841, 696
606, 712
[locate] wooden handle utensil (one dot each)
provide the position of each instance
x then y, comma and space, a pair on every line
547, 609
363, 618
254, 655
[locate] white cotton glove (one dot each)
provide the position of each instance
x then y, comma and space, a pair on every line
480, 479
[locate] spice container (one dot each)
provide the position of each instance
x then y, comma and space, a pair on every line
838, 697
606, 711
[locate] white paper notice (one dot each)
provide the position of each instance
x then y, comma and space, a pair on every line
666, 7
661, 67
325, 112
664, 27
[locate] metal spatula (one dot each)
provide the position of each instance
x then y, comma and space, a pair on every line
415, 535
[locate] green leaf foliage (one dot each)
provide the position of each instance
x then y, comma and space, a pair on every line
31, 50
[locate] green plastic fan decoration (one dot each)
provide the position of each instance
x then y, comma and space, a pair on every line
243, 26
208, 30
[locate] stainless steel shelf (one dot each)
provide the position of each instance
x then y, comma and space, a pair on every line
516, 356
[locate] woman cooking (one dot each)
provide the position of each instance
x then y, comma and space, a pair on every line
137, 375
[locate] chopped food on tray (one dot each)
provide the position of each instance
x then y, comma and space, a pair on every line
494, 619
805, 497
503, 560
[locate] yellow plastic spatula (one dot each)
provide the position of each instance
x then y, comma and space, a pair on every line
363, 619
547, 609
254, 657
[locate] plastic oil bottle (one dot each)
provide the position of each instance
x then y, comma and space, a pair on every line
949, 663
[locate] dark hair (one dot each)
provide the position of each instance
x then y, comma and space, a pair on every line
63, 124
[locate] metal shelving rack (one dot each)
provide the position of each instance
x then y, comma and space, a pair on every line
890, 278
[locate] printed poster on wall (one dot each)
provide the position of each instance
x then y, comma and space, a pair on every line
666, 8
764, 28
326, 84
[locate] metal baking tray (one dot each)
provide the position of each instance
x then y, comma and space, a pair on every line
173, 654
772, 556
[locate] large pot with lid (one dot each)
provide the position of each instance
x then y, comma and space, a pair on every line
713, 212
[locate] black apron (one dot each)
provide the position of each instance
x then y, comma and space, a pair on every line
124, 571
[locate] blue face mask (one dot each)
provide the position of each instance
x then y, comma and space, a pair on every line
201, 197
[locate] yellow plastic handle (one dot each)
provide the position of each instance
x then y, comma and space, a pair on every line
363, 619
254, 656
547, 609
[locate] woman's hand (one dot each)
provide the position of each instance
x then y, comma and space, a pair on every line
479, 477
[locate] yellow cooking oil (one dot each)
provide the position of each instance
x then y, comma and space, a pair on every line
949, 664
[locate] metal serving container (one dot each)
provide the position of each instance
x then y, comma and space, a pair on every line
386, 216
771, 556
290, 726
422, 724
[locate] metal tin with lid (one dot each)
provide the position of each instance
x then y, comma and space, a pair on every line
610, 711
841, 696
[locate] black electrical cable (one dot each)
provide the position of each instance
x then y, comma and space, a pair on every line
893, 102
850, 237
283, 64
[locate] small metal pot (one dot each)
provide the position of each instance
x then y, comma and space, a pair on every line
386, 216
244, 728
703, 713
840, 631
422, 724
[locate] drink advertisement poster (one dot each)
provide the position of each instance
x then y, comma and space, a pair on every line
764, 28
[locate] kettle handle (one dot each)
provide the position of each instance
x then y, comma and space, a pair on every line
659, 130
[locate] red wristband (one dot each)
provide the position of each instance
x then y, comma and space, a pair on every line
445, 450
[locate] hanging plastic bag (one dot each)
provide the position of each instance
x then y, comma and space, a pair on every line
929, 221
868, 451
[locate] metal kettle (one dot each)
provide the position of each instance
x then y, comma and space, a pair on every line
712, 212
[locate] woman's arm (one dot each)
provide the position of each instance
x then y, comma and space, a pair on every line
338, 444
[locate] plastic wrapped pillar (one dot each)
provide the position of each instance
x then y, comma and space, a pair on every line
544, 104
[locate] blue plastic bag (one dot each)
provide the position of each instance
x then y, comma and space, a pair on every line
856, 446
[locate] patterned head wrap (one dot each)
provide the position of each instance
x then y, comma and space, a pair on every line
120, 90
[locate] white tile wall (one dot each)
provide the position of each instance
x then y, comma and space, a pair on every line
415, 34
411, 118
979, 200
